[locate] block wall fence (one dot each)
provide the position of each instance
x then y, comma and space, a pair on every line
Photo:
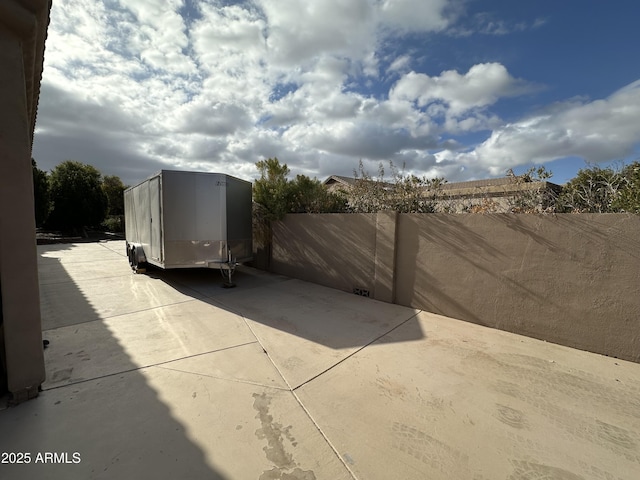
568, 279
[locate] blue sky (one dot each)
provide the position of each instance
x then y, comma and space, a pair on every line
461, 89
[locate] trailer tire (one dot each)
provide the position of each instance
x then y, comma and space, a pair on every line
138, 267
134, 258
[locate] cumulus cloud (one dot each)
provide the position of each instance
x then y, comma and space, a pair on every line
481, 86
408, 15
216, 85
301, 31
599, 130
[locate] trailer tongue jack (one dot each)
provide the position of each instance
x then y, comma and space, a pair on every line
227, 270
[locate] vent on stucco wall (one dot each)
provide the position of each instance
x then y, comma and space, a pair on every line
363, 292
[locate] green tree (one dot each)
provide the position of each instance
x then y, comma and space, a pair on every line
274, 195
272, 190
307, 195
77, 196
42, 201
277, 195
114, 189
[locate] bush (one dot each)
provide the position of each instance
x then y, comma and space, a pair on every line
403, 194
278, 195
114, 224
628, 198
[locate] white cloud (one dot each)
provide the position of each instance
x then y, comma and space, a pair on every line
239, 81
301, 31
480, 87
597, 131
412, 16
489, 24
159, 34
400, 63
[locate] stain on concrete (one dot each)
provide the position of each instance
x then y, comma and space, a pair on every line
83, 356
390, 388
272, 432
61, 375
297, 474
535, 471
285, 467
510, 416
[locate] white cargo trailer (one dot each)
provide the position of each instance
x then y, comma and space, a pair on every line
177, 219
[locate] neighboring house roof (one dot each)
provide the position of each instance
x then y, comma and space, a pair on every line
493, 186
489, 182
28, 20
339, 180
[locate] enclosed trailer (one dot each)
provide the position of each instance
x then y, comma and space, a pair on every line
177, 219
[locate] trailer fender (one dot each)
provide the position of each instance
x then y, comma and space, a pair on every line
135, 253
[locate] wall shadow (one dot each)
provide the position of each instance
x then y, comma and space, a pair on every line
117, 424
472, 257
335, 250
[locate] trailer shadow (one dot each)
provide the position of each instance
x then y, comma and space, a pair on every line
315, 314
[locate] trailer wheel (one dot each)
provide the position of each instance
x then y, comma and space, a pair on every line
131, 254
134, 259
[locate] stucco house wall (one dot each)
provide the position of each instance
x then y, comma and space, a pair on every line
23, 28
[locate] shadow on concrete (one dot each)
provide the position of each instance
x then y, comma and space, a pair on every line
114, 426
316, 313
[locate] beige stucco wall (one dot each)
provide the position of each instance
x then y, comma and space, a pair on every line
567, 279
22, 30
344, 251
336, 250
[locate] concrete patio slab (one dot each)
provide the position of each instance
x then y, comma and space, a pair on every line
159, 423
308, 328
244, 363
472, 402
81, 252
162, 334
166, 375
49, 270
103, 297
